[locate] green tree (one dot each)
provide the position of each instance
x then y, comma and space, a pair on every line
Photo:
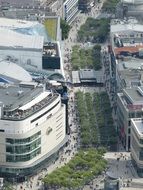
65, 27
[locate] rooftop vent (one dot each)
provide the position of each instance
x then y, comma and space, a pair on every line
19, 92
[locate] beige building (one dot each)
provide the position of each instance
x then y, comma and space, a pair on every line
32, 128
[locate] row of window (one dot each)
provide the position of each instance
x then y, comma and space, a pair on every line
135, 114
25, 140
22, 149
23, 158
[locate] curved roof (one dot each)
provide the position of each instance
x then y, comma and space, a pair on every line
32, 28
14, 71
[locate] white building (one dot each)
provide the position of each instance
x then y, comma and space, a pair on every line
32, 128
70, 10
27, 43
137, 144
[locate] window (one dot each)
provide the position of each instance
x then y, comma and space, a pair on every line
23, 158
131, 115
21, 149
138, 114
25, 140
141, 154
129, 123
141, 141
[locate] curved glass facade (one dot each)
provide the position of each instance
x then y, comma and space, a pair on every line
21, 150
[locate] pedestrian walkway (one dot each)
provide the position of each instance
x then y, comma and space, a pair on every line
35, 182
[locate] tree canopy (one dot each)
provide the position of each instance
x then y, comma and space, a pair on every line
94, 30
65, 27
82, 58
79, 171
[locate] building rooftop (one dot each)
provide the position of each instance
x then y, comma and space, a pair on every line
75, 77
50, 49
90, 75
134, 95
24, 100
125, 25
11, 70
30, 28
129, 49
15, 23
136, 2
14, 96
51, 25
20, 2
138, 125
11, 39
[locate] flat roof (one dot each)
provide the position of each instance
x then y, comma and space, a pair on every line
138, 125
126, 27
90, 75
20, 2
133, 95
11, 39
129, 63
87, 74
34, 101
130, 49
16, 23
130, 77
14, 96
136, 2
75, 77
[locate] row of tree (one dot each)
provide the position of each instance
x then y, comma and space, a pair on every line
94, 30
82, 58
110, 5
79, 171
96, 123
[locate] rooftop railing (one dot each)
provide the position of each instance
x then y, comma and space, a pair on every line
23, 114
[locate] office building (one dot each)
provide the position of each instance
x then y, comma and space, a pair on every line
70, 10
32, 128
